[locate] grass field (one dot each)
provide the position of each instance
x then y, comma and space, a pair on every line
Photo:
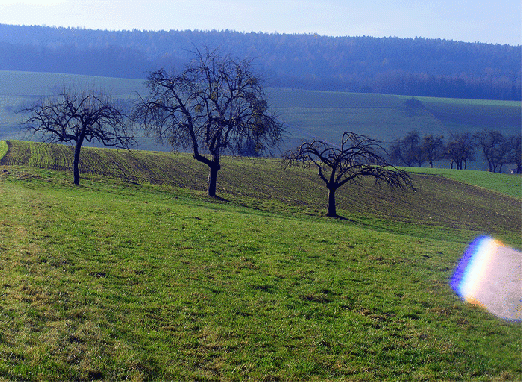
386, 117
506, 184
137, 275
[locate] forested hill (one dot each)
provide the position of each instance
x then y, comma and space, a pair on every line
431, 67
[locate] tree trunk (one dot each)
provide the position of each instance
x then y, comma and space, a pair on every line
76, 161
212, 178
332, 211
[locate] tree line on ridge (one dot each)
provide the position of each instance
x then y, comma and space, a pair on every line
428, 67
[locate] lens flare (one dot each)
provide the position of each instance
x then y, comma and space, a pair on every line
489, 274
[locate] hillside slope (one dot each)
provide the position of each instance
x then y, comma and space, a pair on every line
263, 183
428, 67
326, 115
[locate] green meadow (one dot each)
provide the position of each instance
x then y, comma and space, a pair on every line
319, 114
387, 117
137, 275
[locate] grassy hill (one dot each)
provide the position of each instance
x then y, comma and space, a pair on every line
306, 113
387, 117
438, 200
136, 274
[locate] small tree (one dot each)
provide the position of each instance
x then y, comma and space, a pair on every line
432, 148
514, 154
407, 151
459, 150
505, 153
216, 104
357, 157
74, 116
492, 145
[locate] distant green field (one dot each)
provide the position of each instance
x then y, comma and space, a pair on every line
319, 114
29, 84
503, 183
137, 275
3, 149
386, 117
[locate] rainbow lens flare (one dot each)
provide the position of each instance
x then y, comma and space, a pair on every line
490, 275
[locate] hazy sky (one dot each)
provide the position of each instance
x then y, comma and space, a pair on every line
490, 21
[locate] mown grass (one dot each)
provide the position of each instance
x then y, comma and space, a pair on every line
113, 281
136, 274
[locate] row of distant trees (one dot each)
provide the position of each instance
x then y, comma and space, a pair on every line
497, 150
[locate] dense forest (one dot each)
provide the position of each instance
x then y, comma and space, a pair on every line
429, 67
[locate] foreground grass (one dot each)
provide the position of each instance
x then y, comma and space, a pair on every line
113, 281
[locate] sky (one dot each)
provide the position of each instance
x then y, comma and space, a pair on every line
488, 21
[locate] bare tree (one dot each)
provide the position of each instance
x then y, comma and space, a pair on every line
514, 154
407, 150
215, 105
357, 157
79, 116
492, 146
432, 148
459, 150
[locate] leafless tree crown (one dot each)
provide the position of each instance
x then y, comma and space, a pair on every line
72, 116
357, 156
215, 104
